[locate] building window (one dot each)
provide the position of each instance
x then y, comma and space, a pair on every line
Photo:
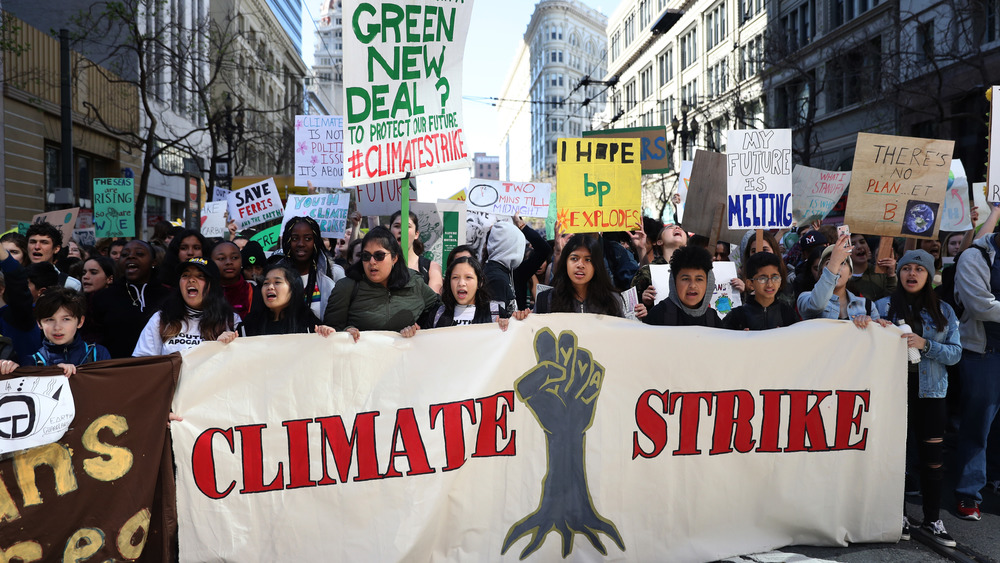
666, 63
749, 9
715, 26
992, 32
925, 41
629, 29
666, 109
799, 25
751, 57
689, 48
846, 10
794, 101
717, 82
854, 77
689, 93
616, 102
630, 99
645, 13
616, 45
646, 81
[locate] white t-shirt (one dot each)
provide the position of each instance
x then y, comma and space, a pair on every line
464, 314
150, 343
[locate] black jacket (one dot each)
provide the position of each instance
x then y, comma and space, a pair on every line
500, 285
754, 316
540, 252
667, 313
121, 311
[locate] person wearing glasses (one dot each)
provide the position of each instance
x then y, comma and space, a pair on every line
380, 292
762, 309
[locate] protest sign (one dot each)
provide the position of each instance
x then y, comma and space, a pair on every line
759, 178
219, 194
319, 150
269, 238
403, 88
979, 200
213, 219
63, 219
600, 185
442, 227
654, 154
459, 196
35, 410
447, 440
898, 185
114, 456
114, 207
683, 182
815, 192
992, 161
509, 198
255, 204
382, 198
705, 208
724, 298
957, 213
85, 237
329, 210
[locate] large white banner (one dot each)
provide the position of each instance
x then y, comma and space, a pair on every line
566, 434
403, 88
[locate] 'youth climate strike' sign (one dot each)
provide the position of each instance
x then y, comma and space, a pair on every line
898, 185
599, 182
759, 178
403, 85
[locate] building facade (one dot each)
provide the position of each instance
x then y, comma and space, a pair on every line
692, 67
288, 14
485, 167
548, 92
327, 78
32, 168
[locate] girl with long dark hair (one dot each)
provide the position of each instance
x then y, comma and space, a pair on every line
285, 310
581, 283
302, 245
187, 244
466, 300
934, 332
195, 311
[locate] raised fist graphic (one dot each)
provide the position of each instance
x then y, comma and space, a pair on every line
561, 391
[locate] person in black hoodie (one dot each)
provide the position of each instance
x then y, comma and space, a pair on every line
762, 310
690, 280
120, 311
538, 255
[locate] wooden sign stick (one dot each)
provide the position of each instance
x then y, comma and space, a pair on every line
718, 219
884, 251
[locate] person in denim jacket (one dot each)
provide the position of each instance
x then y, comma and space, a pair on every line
933, 331
829, 298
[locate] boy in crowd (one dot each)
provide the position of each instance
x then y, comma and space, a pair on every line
762, 311
691, 286
44, 242
60, 314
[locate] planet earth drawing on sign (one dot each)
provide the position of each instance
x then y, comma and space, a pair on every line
919, 218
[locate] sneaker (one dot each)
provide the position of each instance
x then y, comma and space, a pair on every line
906, 529
937, 532
968, 509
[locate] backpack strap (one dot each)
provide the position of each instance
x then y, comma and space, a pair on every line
868, 306
39, 359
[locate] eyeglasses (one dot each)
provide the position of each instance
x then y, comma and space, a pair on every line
378, 255
775, 279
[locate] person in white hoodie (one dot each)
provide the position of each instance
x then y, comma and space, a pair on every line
502, 253
195, 311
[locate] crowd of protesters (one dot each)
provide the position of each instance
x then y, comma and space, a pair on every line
66, 304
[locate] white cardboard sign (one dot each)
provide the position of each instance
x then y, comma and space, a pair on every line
508, 198
319, 150
759, 178
255, 204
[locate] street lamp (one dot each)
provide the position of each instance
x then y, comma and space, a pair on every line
680, 127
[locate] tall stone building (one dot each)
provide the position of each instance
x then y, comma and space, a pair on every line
328, 59
546, 94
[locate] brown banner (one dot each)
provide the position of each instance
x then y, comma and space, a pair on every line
105, 491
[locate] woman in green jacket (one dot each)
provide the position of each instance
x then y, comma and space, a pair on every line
379, 292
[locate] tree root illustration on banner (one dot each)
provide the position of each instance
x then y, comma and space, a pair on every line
561, 392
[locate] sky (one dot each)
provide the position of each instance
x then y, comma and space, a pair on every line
495, 33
